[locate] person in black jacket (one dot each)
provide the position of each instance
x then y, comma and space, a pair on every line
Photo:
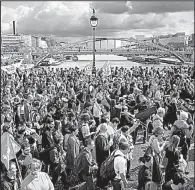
47, 142
9, 180
102, 145
145, 174
47, 136
88, 165
126, 118
171, 116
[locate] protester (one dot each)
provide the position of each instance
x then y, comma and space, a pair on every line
172, 153
73, 149
25, 158
87, 165
50, 114
10, 180
120, 167
145, 171
36, 179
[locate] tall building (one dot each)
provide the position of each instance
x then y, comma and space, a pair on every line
43, 44
31, 40
22, 41
10, 40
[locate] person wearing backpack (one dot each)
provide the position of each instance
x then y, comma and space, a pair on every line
172, 154
156, 147
86, 165
145, 171
125, 136
120, 167
182, 129
102, 145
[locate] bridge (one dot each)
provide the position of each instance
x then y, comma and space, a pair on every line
148, 48
118, 51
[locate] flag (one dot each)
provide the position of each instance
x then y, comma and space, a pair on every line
9, 148
88, 69
106, 69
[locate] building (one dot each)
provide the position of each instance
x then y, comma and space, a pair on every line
173, 40
31, 40
43, 44
10, 40
191, 40
140, 37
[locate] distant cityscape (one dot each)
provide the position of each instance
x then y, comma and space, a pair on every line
22, 43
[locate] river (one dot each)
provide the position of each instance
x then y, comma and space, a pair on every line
116, 61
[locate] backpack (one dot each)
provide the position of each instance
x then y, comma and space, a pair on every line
181, 134
182, 144
107, 171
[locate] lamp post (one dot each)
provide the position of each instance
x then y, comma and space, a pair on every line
94, 23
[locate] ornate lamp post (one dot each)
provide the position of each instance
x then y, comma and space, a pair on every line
94, 23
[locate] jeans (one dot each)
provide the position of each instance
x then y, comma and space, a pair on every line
117, 184
88, 185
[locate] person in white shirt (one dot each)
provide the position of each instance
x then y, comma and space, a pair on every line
97, 111
110, 131
125, 136
120, 167
158, 118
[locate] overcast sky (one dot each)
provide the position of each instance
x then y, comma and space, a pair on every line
116, 18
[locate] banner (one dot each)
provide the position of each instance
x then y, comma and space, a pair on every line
88, 69
9, 148
106, 69
12, 68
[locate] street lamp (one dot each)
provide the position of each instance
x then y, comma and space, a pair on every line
94, 23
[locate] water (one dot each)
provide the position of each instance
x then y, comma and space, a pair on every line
115, 61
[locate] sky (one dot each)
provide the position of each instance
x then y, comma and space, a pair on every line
70, 19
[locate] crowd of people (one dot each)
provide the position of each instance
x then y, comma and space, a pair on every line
81, 131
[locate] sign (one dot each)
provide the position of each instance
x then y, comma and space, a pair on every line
106, 69
88, 69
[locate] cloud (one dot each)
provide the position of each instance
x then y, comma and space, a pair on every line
142, 7
71, 19
113, 7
